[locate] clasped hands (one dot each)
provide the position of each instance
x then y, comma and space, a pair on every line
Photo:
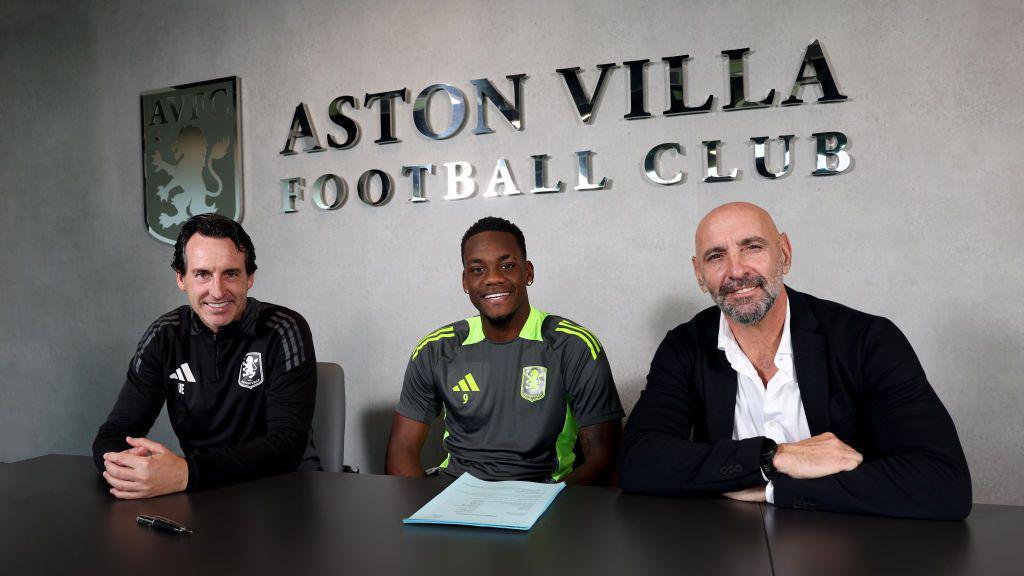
145, 470
815, 457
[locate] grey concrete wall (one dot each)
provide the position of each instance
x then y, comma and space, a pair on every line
925, 229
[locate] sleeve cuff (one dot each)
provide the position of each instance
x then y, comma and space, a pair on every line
769, 492
193, 475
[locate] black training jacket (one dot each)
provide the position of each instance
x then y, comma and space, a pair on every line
240, 401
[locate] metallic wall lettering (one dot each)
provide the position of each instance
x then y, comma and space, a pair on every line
814, 69
737, 84
320, 192
651, 164
167, 108
486, 91
637, 90
586, 106
662, 164
583, 181
540, 176
291, 188
677, 89
347, 124
387, 113
502, 177
815, 58
418, 172
421, 111
220, 95
761, 157
712, 174
302, 127
831, 160
386, 186
460, 180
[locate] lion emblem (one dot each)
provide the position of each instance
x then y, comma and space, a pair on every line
187, 191
250, 375
533, 385
249, 368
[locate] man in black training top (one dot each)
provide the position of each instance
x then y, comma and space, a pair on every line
238, 376
516, 385
778, 396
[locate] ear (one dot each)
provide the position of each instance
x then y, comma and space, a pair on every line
696, 273
252, 278
529, 272
181, 281
787, 252
465, 286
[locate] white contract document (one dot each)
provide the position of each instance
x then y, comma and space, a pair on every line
470, 501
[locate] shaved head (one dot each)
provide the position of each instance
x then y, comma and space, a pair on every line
739, 259
727, 214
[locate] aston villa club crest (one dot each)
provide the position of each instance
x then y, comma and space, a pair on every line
191, 154
534, 384
250, 374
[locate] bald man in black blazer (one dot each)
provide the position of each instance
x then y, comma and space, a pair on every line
880, 441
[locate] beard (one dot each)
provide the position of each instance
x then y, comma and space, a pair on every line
750, 310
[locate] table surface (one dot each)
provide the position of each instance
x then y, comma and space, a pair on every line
57, 518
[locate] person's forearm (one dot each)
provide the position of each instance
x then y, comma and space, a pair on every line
279, 451
403, 463
912, 485
597, 472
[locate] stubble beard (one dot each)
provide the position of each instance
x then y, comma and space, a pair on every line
746, 312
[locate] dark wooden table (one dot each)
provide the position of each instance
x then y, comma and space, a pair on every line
990, 541
57, 518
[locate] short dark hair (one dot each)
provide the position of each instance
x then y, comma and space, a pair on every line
494, 224
213, 226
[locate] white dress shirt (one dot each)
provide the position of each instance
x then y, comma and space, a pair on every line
776, 410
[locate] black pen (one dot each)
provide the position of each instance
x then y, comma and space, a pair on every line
162, 523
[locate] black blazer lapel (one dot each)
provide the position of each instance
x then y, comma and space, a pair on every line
810, 359
719, 386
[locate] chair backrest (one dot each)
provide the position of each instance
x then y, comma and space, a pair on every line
329, 416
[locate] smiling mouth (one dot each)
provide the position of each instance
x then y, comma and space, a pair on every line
743, 291
495, 296
218, 305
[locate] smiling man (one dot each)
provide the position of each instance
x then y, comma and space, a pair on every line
517, 386
238, 376
777, 396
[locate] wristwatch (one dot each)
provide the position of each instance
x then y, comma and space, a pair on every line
768, 449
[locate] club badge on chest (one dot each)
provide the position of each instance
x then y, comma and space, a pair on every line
250, 374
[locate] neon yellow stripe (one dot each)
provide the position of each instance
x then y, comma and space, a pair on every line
564, 445
472, 383
445, 437
476, 331
586, 332
581, 337
534, 322
416, 352
435, 333
462, 386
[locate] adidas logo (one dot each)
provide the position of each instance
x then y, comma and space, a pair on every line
466, 385
183, 374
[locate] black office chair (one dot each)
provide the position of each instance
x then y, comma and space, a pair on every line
329, 417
